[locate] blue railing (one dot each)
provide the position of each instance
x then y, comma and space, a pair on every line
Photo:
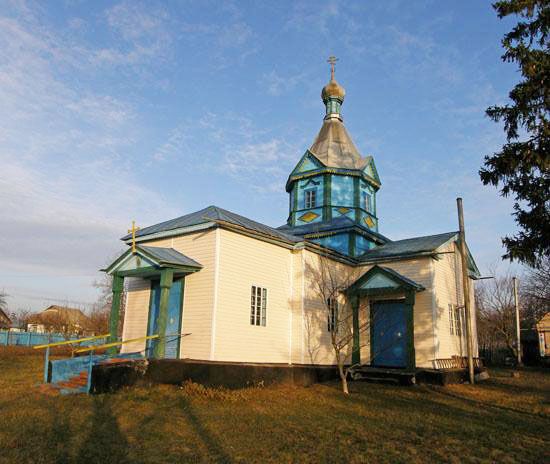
33, 338
30, 338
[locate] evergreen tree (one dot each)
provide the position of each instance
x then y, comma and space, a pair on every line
522, 167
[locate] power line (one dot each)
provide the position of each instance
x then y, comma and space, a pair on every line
51, 299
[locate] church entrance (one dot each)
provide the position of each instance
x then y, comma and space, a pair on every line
389, 335
173, 325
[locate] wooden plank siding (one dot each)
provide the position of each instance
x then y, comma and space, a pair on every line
297, 307
198, 297
197, 301
448, 290
316, 339
420, 271
216, 307
136, 314
244, 262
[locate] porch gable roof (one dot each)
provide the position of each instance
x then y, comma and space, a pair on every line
149, 258
381, 279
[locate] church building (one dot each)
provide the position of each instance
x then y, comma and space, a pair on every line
218, 287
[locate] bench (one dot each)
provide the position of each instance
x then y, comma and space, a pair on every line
456, 362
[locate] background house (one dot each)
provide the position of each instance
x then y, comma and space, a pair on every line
60, 319
543, 331
5, 321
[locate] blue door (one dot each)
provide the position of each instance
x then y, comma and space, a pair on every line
173, 325
389, 334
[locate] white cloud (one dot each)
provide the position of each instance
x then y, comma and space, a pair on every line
314, 16
135, 21
176, 144
68, 186
277, 85
234, 39
145, 31
233, 146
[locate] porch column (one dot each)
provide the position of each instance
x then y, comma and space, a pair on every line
118, 284
356, 348
411, 358
166, 279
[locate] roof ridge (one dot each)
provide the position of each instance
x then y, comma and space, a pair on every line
213, 213
425, 236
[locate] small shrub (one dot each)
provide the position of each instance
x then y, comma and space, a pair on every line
202, 392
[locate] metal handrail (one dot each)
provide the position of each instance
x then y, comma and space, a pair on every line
110, 345
70, 342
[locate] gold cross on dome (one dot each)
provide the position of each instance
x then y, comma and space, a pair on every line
133, 231
332, 61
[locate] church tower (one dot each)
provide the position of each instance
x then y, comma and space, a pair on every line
333, 188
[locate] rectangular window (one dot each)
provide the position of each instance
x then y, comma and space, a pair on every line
451, 319
332, 319
367, 202
458, 321
258, 305
310, 198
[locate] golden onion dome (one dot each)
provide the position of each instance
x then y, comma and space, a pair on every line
333, 89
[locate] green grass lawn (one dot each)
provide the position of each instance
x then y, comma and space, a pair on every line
504, 420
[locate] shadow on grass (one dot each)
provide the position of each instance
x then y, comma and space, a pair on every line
217, 452
495, 390
105, 442
59, 434
512, 389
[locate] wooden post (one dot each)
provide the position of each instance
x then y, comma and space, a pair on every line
356, 348
466, 290
46, 364
518, 333
411, 354
118, 284
166, 279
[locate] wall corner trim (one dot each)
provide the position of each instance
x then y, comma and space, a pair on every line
215, 299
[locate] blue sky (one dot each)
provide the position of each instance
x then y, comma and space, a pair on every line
114, 111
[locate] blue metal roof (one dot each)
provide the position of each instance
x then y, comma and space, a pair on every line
339, 224
168, 256
214, 213
389, 250
407, 247
398, 278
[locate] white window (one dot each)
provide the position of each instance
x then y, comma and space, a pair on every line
310, 198
367, 202
451, 320
455, 320
258, 305
332, 319
458, 321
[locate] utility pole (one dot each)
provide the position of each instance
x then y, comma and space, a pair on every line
465, 289
516, 303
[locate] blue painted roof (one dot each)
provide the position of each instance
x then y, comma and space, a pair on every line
390, 249
214, 213
407, 247
402, 278
339, 224
168, 256
394, 275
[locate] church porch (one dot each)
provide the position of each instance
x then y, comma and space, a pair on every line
383, 303
163, 272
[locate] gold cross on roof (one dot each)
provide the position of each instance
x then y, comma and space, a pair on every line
332, 60
133, 231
